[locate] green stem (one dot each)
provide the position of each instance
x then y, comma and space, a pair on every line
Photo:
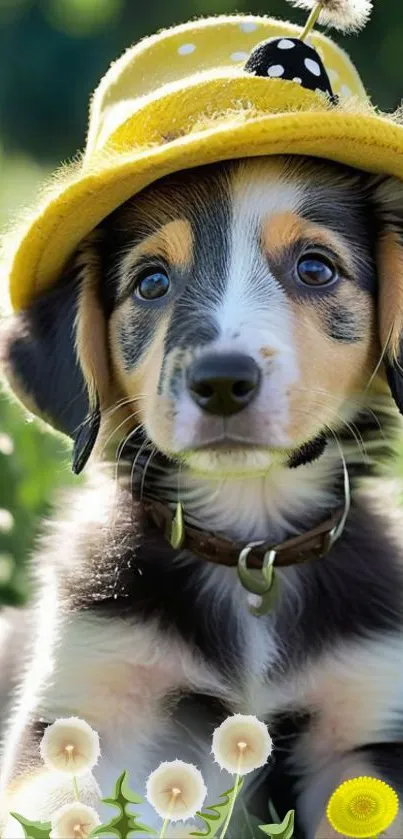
164, 827
313, 17
233, 799
75, 786
168, 818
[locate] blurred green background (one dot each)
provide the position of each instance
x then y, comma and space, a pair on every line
52, 54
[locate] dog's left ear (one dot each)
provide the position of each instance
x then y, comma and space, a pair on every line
388, 196
54, 354
91, 345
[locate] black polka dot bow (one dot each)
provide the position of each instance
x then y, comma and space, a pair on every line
292, 60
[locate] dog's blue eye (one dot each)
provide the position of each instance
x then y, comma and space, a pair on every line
152, 285
316, 270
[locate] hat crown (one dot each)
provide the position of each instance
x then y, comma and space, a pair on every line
213, 47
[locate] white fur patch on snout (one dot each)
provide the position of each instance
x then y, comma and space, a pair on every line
253, 316
264, 421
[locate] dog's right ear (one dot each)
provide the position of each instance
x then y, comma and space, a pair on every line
387, 197
46, 353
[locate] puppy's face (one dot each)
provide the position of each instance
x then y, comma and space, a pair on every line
241, 309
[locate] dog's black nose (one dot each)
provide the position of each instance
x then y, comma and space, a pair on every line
223, 384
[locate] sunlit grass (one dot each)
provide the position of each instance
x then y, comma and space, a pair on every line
20, 177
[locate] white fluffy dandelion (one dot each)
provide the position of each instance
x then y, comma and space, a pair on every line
345, 15
241, 744
74, 821
176, 790
70, 746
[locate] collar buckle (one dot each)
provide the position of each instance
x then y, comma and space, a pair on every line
263, 583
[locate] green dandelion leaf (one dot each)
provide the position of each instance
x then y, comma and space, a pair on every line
285, 830
125, 824
33, 830
214, 816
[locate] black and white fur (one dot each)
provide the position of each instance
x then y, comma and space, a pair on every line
154, 647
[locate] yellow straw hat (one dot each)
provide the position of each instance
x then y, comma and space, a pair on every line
209, 90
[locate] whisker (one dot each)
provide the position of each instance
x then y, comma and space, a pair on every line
109, 411
354, 403
132, 470
154, 451
355, 432
131, 433
122, 445
380, 361
112, 434
127, 400
347, 483
143, 446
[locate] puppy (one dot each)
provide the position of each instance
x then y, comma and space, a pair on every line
229, 341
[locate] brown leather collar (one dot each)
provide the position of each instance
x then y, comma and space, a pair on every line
314, 544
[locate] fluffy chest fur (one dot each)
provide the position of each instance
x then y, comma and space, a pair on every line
123, 671
138, 628
117, 667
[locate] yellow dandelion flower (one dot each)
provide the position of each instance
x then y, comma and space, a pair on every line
362, 807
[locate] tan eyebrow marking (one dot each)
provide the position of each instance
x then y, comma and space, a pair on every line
173, 242
283, 229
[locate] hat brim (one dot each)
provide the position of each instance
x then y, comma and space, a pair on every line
363, 140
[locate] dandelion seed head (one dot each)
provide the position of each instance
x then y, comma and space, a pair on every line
176, 790
70, 745
345, 15
241, 744
74, 821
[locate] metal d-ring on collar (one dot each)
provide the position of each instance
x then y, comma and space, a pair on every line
265, 583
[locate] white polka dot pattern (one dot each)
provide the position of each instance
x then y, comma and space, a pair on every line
312, 66
285, 44
248, 26
186, 49
275, 71
239, 56
278, 70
